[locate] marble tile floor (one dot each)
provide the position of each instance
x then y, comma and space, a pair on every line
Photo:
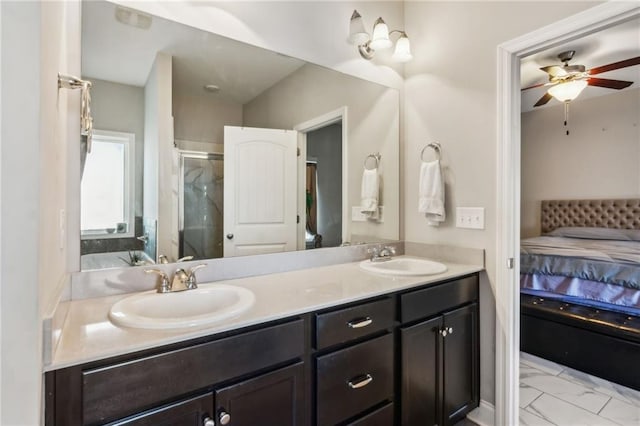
552, 394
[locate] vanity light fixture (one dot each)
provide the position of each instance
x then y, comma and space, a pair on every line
379, 39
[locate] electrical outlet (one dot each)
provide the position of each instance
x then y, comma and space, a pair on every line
470, 217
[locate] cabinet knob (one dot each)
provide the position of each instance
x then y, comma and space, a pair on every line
224, 418
446, 331
208, 421
229, 236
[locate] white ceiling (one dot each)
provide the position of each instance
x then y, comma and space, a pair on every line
604, 47
124, 54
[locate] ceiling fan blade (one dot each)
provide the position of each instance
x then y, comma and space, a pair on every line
543, 100
616, 65
534, 86
555, 70
608, 83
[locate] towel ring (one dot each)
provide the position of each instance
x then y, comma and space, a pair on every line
435, 146
376, 157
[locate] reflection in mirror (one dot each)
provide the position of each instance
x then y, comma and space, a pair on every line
218, 148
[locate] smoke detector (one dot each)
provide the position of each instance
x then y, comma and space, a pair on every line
212, 88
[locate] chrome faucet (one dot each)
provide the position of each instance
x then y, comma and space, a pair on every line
383, 254
165, 260
182, 279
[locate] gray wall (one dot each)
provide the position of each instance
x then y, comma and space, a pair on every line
325, 145
373, 125
450, 96
120, 108
202, 117
600, 158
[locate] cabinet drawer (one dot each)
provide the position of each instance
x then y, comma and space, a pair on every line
381, 417
353, 322
439, 298
353, 379
122, 389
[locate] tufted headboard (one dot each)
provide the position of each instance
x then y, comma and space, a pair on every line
618, 214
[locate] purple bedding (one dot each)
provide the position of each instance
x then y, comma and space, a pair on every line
582, 292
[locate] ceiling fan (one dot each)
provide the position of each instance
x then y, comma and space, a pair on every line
567, 81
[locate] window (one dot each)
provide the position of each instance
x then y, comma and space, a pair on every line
107, 187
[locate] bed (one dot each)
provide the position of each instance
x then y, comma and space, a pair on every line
580, 288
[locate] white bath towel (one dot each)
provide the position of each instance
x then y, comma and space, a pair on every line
431, 192
369, 192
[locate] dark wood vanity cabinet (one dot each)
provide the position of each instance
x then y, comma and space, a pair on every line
191, 412
355, 361
408, 358
440, 355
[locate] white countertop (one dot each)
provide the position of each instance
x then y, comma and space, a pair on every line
88, 334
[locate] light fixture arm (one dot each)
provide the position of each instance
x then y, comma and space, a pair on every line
379, 39
367, 52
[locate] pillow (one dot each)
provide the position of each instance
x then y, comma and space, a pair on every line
596, 233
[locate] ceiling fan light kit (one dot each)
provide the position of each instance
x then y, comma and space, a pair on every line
566, 82
566, 92
380, 39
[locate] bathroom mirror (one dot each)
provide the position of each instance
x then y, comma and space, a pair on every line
207, 147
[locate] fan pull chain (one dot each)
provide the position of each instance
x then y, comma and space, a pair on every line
566, 115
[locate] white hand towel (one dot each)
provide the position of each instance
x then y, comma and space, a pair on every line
369, 192
431, 192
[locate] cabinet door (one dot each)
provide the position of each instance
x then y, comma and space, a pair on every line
192, 412
460, 363
421, 388
275, 398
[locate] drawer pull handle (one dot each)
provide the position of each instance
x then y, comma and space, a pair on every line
360, 322
360, 381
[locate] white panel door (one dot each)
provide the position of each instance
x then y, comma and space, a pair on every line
260, 183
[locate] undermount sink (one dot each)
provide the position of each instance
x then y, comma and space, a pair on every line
208, 304
404, 266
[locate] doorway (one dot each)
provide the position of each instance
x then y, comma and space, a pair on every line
323, 223
508, 186
322, 183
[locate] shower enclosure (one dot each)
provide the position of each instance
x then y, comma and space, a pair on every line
201, 204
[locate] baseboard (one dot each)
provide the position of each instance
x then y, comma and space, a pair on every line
484, 415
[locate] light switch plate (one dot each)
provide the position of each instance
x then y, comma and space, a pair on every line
357, 215
470, 217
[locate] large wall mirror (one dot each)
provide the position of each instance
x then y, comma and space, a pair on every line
206, 147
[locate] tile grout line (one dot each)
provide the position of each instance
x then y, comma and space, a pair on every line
581, 408
540, 417
534, 400
605, 404
580, 385
618, 396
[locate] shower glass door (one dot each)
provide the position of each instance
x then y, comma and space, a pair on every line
201, 204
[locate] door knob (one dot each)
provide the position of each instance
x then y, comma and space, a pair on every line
224, 418
229, 236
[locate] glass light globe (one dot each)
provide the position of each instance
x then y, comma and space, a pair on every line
380, 38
